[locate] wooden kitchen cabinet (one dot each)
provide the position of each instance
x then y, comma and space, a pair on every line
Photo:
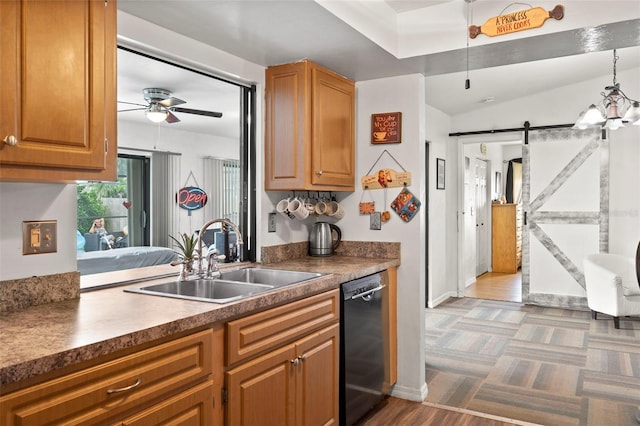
293, 380
58, 85
506, 238
310, 128
163, 383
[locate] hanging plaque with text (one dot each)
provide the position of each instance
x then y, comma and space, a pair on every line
386, 127
517, 21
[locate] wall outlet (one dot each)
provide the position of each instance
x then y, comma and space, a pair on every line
39, 237
272, 222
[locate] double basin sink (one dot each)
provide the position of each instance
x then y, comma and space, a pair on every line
229, 286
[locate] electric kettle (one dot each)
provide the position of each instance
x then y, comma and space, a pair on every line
321, 239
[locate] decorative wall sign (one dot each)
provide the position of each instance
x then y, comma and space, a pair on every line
191, 198
406, 205
517, 21
386, 178
386, 127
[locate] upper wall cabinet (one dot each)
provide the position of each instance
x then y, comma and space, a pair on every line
58, 90
309, 139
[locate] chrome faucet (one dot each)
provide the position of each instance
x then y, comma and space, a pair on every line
208, 256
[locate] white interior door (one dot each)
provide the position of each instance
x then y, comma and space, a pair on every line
469, 223
565, 202
481, 218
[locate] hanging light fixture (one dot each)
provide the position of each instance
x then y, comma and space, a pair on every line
156, 113
615, 109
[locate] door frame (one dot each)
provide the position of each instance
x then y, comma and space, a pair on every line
516, 135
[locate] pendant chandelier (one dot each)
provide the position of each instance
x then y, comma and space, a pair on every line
613, 111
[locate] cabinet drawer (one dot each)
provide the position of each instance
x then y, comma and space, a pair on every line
191, 407
88, 396
266, 330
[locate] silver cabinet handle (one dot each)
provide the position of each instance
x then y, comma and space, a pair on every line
126, 388
319, 173
10, 140
302, 358
295, 362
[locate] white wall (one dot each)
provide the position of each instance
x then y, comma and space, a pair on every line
25, 202
442, 239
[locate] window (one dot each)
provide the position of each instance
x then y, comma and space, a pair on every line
155, 160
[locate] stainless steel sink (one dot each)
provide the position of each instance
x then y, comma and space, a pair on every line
231, 286
274, 277
205, 290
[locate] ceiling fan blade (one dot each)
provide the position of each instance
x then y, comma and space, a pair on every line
131, 103
132, 109
197, 112
171, 102
171, 118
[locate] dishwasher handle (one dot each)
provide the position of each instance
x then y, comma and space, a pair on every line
366, 295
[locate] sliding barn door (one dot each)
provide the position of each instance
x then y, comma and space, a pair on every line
565, 198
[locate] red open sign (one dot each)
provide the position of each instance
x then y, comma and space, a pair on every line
191, 198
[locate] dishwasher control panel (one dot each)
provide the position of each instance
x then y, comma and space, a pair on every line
361, 285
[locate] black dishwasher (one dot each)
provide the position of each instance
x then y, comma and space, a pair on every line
362, 363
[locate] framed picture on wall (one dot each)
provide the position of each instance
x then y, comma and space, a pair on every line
439, 173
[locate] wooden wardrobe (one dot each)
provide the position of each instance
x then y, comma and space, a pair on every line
506, 237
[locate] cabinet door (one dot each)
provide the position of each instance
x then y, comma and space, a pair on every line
332, 143
285, 126
58, 88
262, 391
317, 380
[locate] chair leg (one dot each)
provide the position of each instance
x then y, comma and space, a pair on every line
616, 322
594, 314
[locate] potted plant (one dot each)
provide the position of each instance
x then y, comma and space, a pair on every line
187, 251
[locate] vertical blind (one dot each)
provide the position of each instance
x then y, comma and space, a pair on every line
222, 184
165, 175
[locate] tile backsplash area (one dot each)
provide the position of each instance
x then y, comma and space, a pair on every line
24, 292
373, 249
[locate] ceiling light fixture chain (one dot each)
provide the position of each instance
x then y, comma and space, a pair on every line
467, 82
615, 108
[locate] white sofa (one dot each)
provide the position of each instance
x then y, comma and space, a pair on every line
612, 286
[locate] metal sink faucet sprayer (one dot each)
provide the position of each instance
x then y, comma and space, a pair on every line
224, 222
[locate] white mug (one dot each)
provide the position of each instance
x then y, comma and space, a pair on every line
282, 207
298, 209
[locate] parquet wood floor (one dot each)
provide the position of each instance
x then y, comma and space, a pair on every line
394, 411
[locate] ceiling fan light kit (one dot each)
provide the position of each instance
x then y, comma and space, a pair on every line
155, 113
161, 105
613, 111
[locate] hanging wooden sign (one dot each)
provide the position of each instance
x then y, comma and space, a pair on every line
517, 21
386, 178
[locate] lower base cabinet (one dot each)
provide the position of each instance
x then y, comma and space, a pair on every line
171, 383
296, 381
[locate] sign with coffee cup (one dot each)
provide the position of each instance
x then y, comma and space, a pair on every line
386, 127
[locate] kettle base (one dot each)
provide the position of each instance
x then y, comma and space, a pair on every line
320, 252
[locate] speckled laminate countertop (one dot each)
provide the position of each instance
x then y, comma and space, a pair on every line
47, 337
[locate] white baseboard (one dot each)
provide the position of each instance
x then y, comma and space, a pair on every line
411, 394
439, 300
